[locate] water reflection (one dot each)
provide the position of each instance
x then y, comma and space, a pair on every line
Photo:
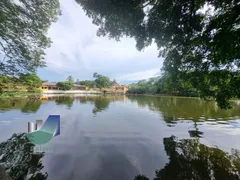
19, 159
118, 137
65, 100
24, 104
101, 104
171, 108
189, 159
176, 108
195, 132
31, 106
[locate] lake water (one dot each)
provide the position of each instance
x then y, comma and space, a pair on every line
120, 137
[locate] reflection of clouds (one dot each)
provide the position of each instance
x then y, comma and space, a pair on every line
223, 134
105, 158
227, 127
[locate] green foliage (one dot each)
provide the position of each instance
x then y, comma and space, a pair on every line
67, 85
144, 86
25, 81
88, 83
222, 85
31, 80
70, 79
93, 84
23, 30
163, 85
178, 86
102, 81
113, 82
188, 37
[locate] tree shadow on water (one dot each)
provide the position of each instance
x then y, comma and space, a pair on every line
65, 100
101, 104
190, 160
31, 106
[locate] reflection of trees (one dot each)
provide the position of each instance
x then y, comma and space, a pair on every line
25, 105
188, 159
7, 104
176, 107
101, 103
195, 132
67, 100
31, 106
20, 161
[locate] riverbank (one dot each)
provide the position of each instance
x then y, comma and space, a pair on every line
19, 94
8, 94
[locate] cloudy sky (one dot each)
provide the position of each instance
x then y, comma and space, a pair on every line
77, 51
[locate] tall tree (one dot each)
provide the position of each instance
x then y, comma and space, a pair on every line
23, 34
67, 85
31, 80
114, 82
88, 83
102, 81
70, 79
200, 40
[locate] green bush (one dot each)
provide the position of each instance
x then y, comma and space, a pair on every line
66, 85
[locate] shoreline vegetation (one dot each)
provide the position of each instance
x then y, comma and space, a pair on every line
161, 86
18, 94
37, 95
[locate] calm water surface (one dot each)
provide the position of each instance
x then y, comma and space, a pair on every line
119, 137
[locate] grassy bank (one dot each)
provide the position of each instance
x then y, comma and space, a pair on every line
19, 94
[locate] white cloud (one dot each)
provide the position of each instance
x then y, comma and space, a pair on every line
140, 75
76, 50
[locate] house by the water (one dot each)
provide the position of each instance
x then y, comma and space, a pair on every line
53, 86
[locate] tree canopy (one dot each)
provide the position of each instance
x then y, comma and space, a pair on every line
163, 85
66, 85
199, 40
88, 83
31, 80
102, 81
23, 30
70, 79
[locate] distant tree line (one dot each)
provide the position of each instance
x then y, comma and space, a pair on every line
100, 81
163, 85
